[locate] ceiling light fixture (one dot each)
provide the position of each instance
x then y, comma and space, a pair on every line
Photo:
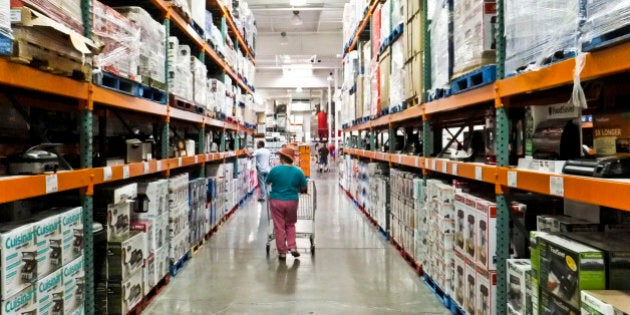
299, 89
297, 3
296, 19
283, 39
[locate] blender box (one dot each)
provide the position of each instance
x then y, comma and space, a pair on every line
605, 302
149, 273
48, 236
486, 238
146, 227
125, 257
23, 302
123, 297
161, 231
470, 221
486, 293
459, 280
162, 263
471, 289
517, 270
114, 204
49, 294
73, 282
460, 221
567, 267
562, 224
616, 255
18, 256
72, 231
552, 304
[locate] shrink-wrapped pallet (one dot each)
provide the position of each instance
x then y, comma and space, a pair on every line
397, 77
200, 77
180, 78
606, 20
386, 21
66, 12
473, 34
441, 55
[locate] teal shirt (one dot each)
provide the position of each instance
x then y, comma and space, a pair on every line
285, 181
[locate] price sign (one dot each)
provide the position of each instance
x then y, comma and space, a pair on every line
196, 159
399, 159
145, 166
179, 162
159, 166
426, 163
444, 167
556, 186
433, 165
454, 169
52, 184
417, 161
125, 171
478, 173
512, 179
107, 173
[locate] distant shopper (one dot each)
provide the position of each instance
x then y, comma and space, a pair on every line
287, 181
323, 157
331, 150
262, 156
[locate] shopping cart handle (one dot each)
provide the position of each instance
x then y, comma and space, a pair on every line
303, 190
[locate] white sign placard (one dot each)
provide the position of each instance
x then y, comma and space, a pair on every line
125, 171
478, 173
179, 162
556, 186
145, 166
52, 184
107, 173
454, 169
512, 179
159, 166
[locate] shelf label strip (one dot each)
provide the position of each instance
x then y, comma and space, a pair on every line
52, 184
478, 173
512, 179
556, 186
125, 171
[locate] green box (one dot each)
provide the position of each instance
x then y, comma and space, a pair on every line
566, 267
606, 302
551, 304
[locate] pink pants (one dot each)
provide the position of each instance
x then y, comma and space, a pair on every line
284, 214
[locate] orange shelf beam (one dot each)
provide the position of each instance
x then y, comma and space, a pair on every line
25, 77
476, 96
362, 26
22, 187
115, 99
235, 31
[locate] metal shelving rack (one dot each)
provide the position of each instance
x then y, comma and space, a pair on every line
86, 96
609, 193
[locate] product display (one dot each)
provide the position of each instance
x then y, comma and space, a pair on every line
113, 208
121, 298
23, 302
477, 48
125, 257
517, 270
48, 237
50, 291
74, 282
602, 302
18, 258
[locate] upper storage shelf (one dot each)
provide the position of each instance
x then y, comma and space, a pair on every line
232, 29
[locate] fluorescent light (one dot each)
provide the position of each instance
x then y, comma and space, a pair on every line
299, 89
297, 3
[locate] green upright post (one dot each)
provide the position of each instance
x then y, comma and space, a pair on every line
500, 39
503, 214
222, 140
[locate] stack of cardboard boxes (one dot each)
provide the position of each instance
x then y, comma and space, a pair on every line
178, 217
198, 220
403, 216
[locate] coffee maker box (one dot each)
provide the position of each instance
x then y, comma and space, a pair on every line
50, 291
471, 289
48, 237
605, 302
123, 297
470, 228
72, 231
162, 263
567, 267
125, 257
74, 286
460, 221
459, 280
486, 293
146, 227
23, 302
18, 253
517, 270
114, 206
486, 240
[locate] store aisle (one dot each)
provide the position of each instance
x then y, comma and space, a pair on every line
354, 271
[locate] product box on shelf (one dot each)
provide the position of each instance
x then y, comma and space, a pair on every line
605, 302
162, 263
179, 246
471, 289
148, 228
486, 293
616, 255
470, 228
486, 234
385, 72
563, 224
125, 256
459, 281
50, 290
472, 51
48, 238
460, 221
18, 254
517, 270
566, 267
121, 298
149, 274
152, 201
23, 302
113, 207
74, 281
552, 304
72, 232
531, 293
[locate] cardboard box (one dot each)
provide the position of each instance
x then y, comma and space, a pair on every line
532, 295
414, 37
605, 302
162, 263
616, 255
413, 8
121, 298
517, 270
152, 201
74, 282
459, 280
385, 72
149, 274
611, 133
470, 228
563, 224
358, 100
18, 253
23, 302
566, 267
460, 222
486, 293
72, 231
49, 295
471, 289
486, 238
552, 304
147, 228
48, 238
125, 257
413, 76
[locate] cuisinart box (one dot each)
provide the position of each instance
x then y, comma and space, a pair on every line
125, 257
567, 267
50, 292
72, 231
74, 282
18, 253
48, 237
605, 302
23, 302
152, 201
517, 270
121, 298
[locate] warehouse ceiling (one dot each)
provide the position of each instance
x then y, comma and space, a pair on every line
290, 56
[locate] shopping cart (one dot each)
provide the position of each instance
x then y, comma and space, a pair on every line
305, 225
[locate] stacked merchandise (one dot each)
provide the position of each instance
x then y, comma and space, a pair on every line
66, 12
230, 97
42, 263
604, 17
213, 34
366, 84
200, 82
216, 98
178, 217
397, 77
473, 34
403, 216
384, 71
198, 220
119, 282
363, 186
182, 6
121, 37
180, 78
5, 24
377, 187
413, 51
152, 46
441, 44
420, 233
537, 30
385, 19
373, 66
151, 218
216, 199
197, 12
348, 22
345, 171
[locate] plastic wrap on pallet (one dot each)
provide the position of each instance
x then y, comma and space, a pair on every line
386, 27
348, 22
66, 12
375, 31
181, 5
198, 11
398, 76
440, 62
200, 78
604, 17
350, 68
121, 54
536, 30
180, 81
473, 34
375, 88
152, 52
398, 13
5, 19
367, 82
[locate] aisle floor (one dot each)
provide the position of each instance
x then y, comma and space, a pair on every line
354, 270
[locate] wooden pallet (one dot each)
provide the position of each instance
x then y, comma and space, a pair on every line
178, 102
197, 247
613, 37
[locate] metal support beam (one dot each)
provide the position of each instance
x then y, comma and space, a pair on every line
164, 140
222, 141
427, 139
503, 210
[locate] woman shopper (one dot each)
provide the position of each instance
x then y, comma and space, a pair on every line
287, 181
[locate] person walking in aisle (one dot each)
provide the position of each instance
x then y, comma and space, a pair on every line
262, 156
287, 182
323, 157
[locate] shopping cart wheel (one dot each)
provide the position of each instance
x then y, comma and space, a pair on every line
267, 249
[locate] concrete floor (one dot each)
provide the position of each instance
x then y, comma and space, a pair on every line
354, 270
